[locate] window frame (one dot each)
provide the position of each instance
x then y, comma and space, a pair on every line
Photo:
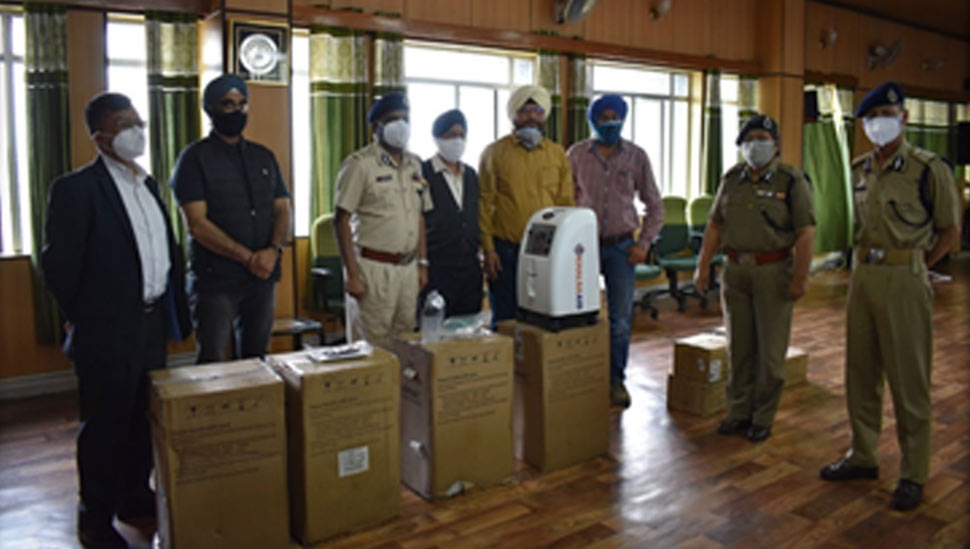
13, 217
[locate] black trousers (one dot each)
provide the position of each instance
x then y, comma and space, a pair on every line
114, 451
461, 286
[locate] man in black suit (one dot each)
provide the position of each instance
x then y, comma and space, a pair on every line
111, 260
453, 234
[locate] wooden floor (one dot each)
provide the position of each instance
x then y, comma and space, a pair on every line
669, 481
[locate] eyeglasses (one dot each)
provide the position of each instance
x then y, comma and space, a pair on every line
532, 108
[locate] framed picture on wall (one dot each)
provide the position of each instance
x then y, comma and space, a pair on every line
260, 51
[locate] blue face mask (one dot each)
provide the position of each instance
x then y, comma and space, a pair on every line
529, 136
608, 132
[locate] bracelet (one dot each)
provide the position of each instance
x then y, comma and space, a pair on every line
423, 262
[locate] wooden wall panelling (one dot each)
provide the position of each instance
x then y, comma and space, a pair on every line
768, 39
368, 6
660, 34
793, 37
782, 98
452, 12
19, 352
847, 55
543, 19
85, 76
501, 14
612, 22
267, 6
734, 28
692, 22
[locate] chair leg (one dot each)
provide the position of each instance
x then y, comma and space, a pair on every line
675, 291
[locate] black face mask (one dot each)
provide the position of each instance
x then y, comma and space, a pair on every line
229, 124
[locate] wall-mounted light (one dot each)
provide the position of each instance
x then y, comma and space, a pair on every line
828, 38
931, 64
881, 54
660, 9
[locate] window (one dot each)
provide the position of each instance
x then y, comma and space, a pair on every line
300, 98
476, 80
128, 66
729, 121
658, 119
15, 219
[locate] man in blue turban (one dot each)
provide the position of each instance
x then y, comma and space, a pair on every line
237, 207
609, 173
452, 225
380, 191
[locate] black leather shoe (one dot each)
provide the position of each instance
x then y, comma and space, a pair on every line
99, 535
843, 470
907, 496
140, 507
757, 433
733, 426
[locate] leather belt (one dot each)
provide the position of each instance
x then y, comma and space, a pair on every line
757, 258
388, 257
616, 239
881, 256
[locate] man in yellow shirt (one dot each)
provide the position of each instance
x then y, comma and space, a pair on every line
519, 174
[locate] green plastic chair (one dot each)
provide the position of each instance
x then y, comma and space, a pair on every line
644, 272
697, 213
674, 240
327, 271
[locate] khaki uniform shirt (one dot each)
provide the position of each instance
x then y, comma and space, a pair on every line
889, 213
517, 182
386, 199
755, 215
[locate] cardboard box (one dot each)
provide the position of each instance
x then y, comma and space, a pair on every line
796, 366
701, 358
696, 397
220, 456
456, 413
562, 394
342, 421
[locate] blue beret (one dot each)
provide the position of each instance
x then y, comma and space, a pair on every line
609, 101
221, 86
758, 122
394, 101
448, 119
888, 93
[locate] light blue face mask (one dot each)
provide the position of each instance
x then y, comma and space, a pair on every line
608, 132
530, 137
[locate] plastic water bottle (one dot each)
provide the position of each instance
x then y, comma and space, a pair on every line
432, 315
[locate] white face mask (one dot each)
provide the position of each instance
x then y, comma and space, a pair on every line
758, 152
882, 129
129, 143
396, 133
451, 149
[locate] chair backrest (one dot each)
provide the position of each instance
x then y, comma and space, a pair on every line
674, 233
698, 211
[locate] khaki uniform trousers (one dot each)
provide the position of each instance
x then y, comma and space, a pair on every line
389, 305
890, 334
757, 313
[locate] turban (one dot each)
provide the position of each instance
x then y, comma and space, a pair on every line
394, 101
448, 119
522, 95
609, 101
219, 87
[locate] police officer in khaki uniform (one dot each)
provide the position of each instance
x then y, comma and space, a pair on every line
906, 213
381, 196
762, 210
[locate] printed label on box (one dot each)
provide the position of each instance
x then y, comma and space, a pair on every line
715, 373
353, 461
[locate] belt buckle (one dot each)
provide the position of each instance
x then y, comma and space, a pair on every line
406, 259
875, 255
747, 259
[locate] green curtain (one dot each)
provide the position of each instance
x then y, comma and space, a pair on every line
826, 160
48, 138
580, 93
929, 125
173, 97
549, 78
388, 64
845, 98
711, 146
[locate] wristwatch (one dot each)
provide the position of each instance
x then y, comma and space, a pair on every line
278, 248
423, 262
